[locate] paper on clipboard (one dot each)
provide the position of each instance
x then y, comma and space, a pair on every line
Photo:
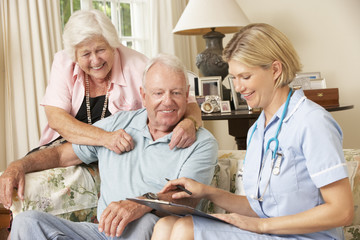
173, 208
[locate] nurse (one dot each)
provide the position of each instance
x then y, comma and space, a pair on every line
294, 175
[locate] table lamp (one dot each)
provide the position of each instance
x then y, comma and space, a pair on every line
204, 17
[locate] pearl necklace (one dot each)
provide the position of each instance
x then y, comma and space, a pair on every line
87, 93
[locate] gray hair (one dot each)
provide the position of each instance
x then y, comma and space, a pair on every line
170, 61
83, 25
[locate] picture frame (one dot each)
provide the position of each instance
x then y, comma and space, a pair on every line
308, 80
311, 75
225, 106
210, 86
318, 83
200, 100
193, 82
239, 102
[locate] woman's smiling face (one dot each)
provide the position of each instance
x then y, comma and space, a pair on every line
95, 57
255, 84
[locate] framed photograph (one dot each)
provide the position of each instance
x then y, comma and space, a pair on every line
308, 80
225, 106
239, 102
210, 86
193, 82
200, 100
311, 75
318, 83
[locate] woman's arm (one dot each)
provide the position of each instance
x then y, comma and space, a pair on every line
338, 210
77, 132
184, 134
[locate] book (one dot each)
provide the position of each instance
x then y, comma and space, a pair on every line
173, 208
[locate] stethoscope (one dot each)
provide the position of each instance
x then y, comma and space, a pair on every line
276, 157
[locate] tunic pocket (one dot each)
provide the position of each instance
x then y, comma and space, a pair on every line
284, 176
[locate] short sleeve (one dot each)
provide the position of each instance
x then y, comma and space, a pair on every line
86, 154
201, 163
322, 147
60, 85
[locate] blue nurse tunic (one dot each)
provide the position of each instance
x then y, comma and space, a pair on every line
309, 157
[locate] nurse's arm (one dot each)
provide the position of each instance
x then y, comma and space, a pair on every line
335, 212
222, 198
230, 202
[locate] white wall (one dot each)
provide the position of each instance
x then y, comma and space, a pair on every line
326, 34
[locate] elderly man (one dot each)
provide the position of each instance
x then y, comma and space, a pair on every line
144, 169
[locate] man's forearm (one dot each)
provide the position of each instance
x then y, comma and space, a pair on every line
52, 157
36, 161
14, 175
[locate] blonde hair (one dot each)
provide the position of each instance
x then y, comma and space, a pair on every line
84, 25
260, 45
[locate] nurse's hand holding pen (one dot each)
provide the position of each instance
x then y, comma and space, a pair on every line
244, 218
197, 189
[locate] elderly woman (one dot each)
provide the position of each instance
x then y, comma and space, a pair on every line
295, 177
94, 77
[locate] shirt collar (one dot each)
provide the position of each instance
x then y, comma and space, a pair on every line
140, 123
295, 98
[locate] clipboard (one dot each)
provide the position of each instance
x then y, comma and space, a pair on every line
172, 208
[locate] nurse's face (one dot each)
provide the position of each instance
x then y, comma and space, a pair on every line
95, 57
255, 84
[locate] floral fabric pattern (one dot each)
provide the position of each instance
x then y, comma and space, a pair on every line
60, 191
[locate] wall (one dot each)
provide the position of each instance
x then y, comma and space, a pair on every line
326, 34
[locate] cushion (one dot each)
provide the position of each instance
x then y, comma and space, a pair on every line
224, 176
353, 155
60, 190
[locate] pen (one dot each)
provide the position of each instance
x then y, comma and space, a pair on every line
181, 187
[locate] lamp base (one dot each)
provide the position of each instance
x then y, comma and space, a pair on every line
210, 62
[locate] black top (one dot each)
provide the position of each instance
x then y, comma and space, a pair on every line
96, 108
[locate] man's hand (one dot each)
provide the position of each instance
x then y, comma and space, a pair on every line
184, 134
118, 215
118, 141
13, 177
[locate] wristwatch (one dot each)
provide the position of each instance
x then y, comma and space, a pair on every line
150, 195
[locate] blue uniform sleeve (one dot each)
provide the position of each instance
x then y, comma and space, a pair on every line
322, 148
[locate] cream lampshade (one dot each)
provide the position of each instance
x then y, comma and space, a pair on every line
204, 17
